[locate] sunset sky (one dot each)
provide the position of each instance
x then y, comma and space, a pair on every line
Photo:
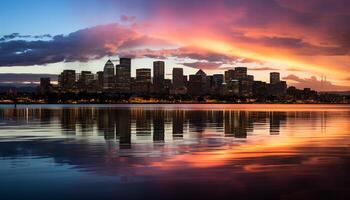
303, 40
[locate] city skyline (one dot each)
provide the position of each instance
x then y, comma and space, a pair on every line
115, 84
117, 78
34, 79
307, 43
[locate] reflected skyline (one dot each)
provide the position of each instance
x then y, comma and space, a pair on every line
119, 124
161, 149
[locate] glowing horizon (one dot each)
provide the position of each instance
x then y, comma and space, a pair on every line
304, 41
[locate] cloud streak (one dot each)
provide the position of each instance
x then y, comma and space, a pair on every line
21, 78
314, 83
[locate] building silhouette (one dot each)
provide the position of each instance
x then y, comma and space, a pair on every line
66, 80
158, 76
123, 75
178, 78
234, 85
45, 85
274, 77
108, 76
143, 81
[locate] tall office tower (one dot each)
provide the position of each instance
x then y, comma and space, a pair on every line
240, 73
158, 76
194, 85
198, 84
229, 75
123, 75
45, 85
205, 85
178, 80
99, 78
274, 77
86, 78
108, 76
143, 81
67, 80
143, 75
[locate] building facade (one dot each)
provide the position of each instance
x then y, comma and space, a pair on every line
108, 76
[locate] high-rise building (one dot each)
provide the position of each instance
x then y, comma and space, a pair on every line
108, 76
85, 80
99, 78
45, 85
198, 84
123, 75
240, 73
178, 80
158, 76
67, 80
194, 85
229, 75
274, 77
143, 75
143, 81
205, 86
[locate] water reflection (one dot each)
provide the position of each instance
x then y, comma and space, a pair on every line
119, 124
165, 151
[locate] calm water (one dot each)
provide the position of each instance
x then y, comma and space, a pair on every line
175, 152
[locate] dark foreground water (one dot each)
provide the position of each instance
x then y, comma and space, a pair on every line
175, 152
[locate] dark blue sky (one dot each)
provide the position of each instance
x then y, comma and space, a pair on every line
62, 16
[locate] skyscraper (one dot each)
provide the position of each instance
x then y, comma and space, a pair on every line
142, 83
67, 80
274, 77
158, 76
143, 75
99, 78
240, 73
45, 85
108, 76
123, 75
178, 80
198, 84
85, 80
229, 75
